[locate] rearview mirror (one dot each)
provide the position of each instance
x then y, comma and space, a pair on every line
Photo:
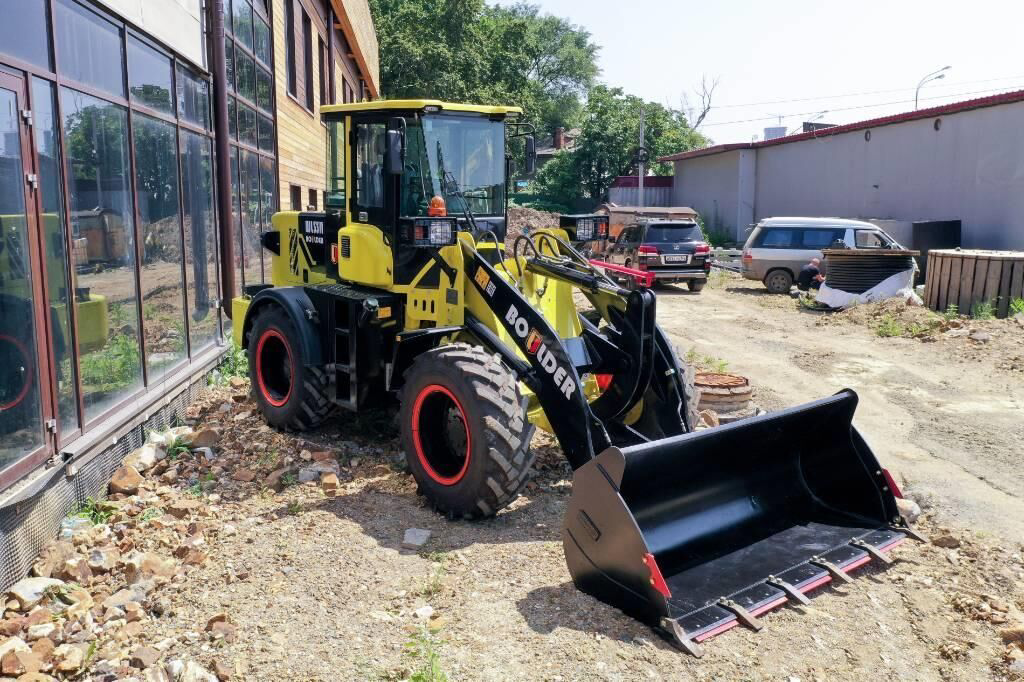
531, 155
394, 155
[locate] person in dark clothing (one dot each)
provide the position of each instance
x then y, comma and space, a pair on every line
810, 276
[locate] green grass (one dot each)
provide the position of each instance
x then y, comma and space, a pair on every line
288, 480
177, 449
236, 364
294, 507
422, 647
93, 509
150, 514
1017, 306
952, 312
113, 367
888, 326
983, 310
707, 363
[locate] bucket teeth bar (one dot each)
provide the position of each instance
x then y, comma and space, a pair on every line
910, 533
742, 615
872, 550
791, 592
680, 638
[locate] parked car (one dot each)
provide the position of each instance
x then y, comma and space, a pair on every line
778, 247
673, 250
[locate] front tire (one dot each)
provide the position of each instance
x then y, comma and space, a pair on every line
290, 395
695, 285
778, 281
464, 430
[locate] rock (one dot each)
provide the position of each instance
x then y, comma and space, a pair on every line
242, 416
709, 418
43, 649
19, 663
170, 477
329, 483
184, 507
195, 557
223, 630
323, 456
39, 616
145, 657
1014, 633
14, 645
36, 677
145, 457
11, 626
30, 591
43, 630
273, 479
104, 559
121, 598
206, 437
193, 672
955, 333
133, 612
424, 612
76, 570
70, 528
1017, 668
237, 382
156, 566
415, 538
206, 453
68, 658
946, 540
1019, 319
909, 509
306, 455
126, 481
982, 337
313, 472
222, 671
244, 475
52, 558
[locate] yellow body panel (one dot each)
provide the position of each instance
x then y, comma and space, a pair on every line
286, 269
394, 104
239, 307
369, 260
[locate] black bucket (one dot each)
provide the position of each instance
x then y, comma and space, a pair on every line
699, 532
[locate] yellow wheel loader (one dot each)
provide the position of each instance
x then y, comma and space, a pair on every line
402, 291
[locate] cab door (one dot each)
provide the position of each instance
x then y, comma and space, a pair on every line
26, 401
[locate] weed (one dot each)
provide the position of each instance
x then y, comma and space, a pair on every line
195, 489
918, 329
422, 647
718, 279
435, 583
236, 364
1017, 306
177, 449
983, 310
692, 356
150, 514
807, 302
952, 312
889, 326
95, 510
294, 507
437, 557
289, 479
714, 364
268, 460
208, 477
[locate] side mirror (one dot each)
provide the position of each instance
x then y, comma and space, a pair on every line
531, 155
394, 155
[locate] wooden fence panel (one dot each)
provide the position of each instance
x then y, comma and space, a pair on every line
965, 278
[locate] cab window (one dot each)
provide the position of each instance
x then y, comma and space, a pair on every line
776, 238
868, 239
821, 239
370, 141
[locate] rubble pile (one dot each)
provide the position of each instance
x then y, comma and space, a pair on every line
86, 611
522, 219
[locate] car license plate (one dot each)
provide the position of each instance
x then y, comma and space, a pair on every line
685, 258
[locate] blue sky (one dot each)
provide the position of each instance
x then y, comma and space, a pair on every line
857, 60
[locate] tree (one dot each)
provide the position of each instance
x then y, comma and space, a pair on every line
698, 112
608, 141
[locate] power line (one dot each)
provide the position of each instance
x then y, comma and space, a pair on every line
862, 106
860, 94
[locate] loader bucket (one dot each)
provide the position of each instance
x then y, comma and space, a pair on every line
697, 533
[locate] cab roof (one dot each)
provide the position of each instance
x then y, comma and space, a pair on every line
391, 104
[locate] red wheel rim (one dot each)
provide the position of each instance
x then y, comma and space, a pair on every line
28, 371
425, 452
265, 379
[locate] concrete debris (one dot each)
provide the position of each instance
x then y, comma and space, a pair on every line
909, 509
415, 538
424, 612
312, 472
206, 437
126, 481
30, 591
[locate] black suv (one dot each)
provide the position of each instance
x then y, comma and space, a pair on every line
671, 250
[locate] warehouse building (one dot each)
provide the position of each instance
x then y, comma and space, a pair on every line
144, 145
958, 162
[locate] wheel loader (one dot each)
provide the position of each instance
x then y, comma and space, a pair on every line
402, 291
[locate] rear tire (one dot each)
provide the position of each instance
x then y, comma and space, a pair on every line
290, 395
695, 285
464, 430
778, 281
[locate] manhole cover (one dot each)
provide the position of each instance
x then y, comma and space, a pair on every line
720, 380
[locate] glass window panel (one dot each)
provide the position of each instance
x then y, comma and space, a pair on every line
227, 16
24, 33
246, 124
232, 113
149, 76
21, 422
59, 279
156, 187
90, 48
229, 63
245, 76
99, 192
236, 219
263, 90
200, 238
251, 217
262, 46
243, 22
266, 132
268, 189
193, 99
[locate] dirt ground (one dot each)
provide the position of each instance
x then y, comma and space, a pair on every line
321, 589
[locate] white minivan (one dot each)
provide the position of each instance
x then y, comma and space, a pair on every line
778, 247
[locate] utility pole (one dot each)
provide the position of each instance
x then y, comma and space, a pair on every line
640, 179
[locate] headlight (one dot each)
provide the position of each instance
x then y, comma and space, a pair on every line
434, 233
585, 229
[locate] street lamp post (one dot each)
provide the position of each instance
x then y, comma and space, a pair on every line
934, 76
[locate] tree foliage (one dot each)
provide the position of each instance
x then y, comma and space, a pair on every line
608, 141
